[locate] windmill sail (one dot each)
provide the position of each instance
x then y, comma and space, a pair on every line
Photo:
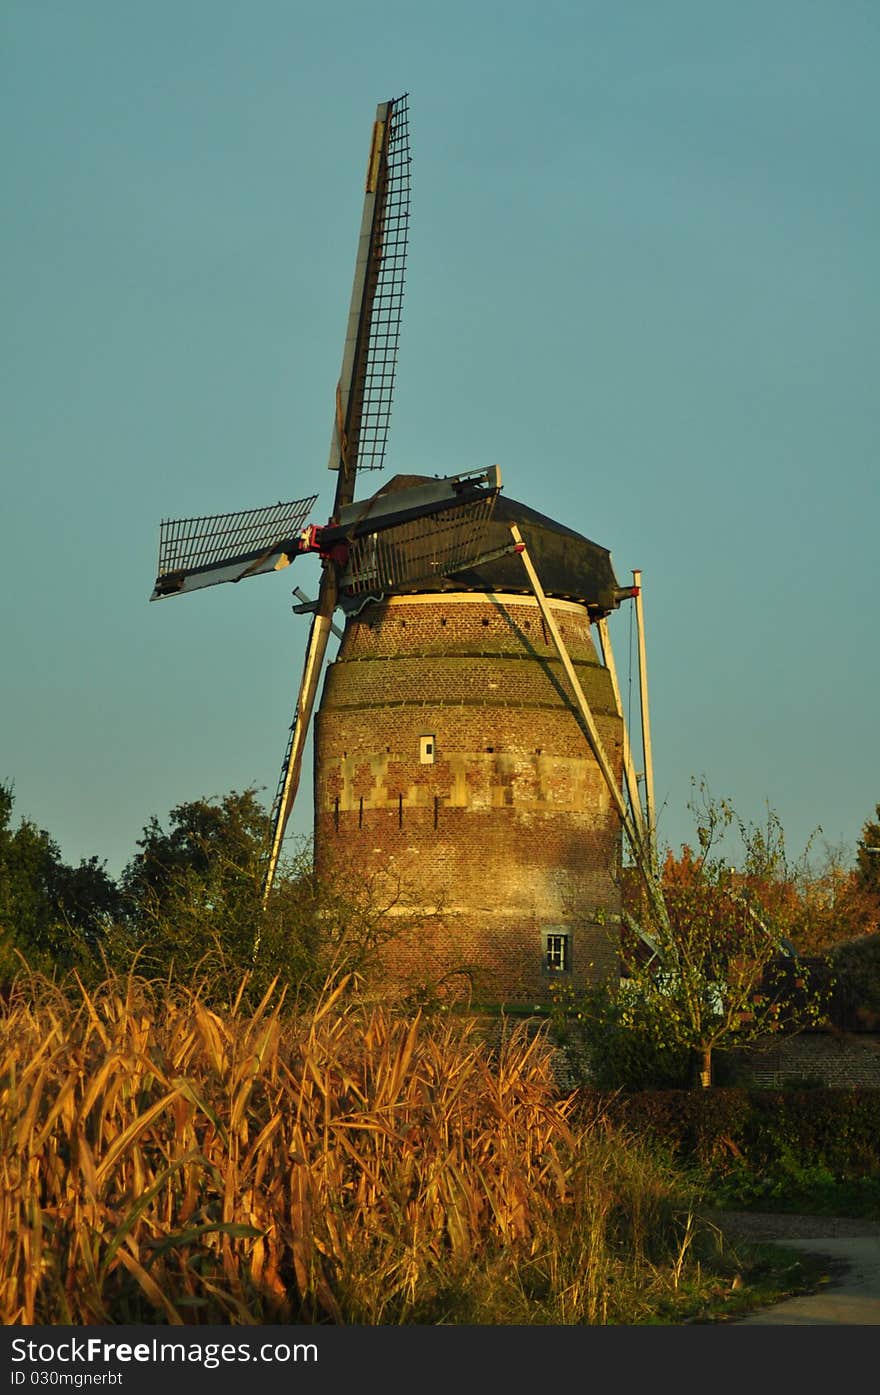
369, 360
363, 405
196, 552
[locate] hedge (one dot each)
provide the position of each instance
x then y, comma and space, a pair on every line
836, 1128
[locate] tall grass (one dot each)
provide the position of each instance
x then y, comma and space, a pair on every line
161, 1162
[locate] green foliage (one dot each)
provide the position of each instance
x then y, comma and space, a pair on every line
790, 1186
192, 895
856, 993
781, 1187
868, 856
210, 853
194, 908
189, 907
714, 969
613, 1044
51, 914
759, 1144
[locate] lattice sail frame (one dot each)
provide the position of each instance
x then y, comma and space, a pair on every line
419, 549
366, 383
384, 334
199, 547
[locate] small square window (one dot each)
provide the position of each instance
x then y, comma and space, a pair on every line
427, 749
557, 951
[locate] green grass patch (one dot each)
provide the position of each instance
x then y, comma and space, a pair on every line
751, 1277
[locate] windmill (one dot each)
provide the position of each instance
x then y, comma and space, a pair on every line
421, 543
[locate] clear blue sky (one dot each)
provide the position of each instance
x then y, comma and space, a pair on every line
643, 278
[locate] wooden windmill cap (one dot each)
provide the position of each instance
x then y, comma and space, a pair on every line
569, 565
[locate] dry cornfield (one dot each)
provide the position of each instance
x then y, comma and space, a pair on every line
165, 1163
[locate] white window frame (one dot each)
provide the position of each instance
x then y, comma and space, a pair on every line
556, 945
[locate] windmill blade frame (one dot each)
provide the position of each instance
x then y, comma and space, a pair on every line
204, 551
369, 360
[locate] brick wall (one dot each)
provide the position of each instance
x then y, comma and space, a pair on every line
509, 830
838, 1060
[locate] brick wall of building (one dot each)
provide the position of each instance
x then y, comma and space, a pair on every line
509, 831
841, 1060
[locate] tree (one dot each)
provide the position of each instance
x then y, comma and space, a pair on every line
213, 846
868, 858
855, 1004
707, 964
615, 1041
192, 894
194, 906
725, 973
51, 914
834, 906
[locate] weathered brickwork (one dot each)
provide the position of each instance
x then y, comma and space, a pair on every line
504, 831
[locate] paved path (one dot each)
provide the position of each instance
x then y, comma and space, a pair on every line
851, 1249
851, 1298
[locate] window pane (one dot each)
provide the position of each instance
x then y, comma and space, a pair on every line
557, 953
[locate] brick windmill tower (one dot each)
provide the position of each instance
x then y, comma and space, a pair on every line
470, 756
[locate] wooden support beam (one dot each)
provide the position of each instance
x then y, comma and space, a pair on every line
629, 770
640, 852
650, 805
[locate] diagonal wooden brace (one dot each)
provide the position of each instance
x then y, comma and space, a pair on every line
640, 851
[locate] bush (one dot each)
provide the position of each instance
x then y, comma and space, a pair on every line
831, 1129
604, 1051
855, 1002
